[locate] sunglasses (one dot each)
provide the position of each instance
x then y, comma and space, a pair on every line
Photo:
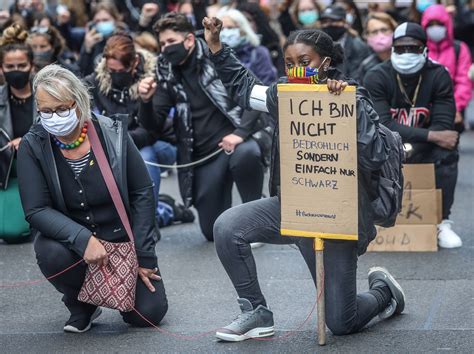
402, 49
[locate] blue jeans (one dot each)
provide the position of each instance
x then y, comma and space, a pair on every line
160, 152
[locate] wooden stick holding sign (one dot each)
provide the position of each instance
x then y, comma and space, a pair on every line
318, 167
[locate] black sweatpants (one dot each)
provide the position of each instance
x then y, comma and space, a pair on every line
213, 183
54, 256
446, 170
259, 221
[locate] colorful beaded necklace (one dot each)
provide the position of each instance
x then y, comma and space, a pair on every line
74, 144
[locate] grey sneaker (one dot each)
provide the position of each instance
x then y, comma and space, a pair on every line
397, 303
250, 323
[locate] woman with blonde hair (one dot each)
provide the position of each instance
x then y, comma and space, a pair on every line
67, 202
378, 33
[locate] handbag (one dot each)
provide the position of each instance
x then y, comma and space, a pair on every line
114, 284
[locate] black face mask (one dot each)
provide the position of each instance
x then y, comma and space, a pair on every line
17, 79
121, 80
41, 59
176, 53
335, 32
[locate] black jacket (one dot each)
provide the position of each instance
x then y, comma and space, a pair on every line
107, 100
355, 51
42, 196
434, 108
170, 93
372, 149
367, 64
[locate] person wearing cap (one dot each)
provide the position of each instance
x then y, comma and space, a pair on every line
334, 23
414, 96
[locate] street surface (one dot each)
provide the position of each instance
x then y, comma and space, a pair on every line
439, 314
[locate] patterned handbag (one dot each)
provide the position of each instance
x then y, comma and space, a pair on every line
113, 285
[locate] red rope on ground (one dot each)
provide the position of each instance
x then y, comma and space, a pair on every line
33, 282
161, 330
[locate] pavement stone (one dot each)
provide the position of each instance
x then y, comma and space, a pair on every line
439, 313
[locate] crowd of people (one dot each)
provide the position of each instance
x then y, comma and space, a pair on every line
175, 82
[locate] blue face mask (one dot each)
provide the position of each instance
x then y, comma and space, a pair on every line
308, 17
422, 5
105, 28
231, 37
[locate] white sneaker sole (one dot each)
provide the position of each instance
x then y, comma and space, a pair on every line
392, 279
72, 329
259, 332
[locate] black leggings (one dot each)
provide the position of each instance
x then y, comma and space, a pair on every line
53, 257
259, 221
213, 183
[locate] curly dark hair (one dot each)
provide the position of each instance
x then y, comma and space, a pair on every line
320, 42
175, 22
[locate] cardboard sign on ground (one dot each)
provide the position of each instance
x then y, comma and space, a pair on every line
419, 206
405, 238
419, 176
318, 162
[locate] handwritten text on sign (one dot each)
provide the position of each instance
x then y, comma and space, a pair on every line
318, 162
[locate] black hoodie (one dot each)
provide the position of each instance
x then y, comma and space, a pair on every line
434, 108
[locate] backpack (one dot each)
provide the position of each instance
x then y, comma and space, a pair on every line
389, 181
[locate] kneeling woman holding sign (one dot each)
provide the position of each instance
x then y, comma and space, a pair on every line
87, 193
309, 54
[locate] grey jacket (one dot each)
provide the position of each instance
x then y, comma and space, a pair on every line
43, 201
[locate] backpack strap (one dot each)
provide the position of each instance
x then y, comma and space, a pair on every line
457, 51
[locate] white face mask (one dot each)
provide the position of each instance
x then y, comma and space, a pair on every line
231, 37
408, 63
436, 33
59, 126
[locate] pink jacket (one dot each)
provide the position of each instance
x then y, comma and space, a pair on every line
444, 53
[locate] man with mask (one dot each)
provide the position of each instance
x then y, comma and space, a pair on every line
205, 120
414, 96
334, 23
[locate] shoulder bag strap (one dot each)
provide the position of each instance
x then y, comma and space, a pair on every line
109, 178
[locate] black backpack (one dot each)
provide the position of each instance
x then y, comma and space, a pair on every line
389, 181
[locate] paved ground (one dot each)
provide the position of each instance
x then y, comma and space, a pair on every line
439, 315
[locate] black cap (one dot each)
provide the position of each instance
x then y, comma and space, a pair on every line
410, 29
334, 12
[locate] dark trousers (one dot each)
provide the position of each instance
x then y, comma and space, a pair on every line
259, 221
446, 170
53, 257
213, 183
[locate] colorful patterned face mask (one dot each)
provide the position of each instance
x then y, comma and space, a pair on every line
303, 75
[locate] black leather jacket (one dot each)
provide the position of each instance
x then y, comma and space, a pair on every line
43, 200
372, 149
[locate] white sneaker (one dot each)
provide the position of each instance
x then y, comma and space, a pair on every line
447, 238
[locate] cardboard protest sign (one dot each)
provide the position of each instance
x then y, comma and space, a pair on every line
318, 162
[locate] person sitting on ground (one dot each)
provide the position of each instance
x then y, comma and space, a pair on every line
259, 221
453, 54
379, 33
68, 205
49, 47
414, 96
206, 119
238, 35
334, 23
105, 22
114, 87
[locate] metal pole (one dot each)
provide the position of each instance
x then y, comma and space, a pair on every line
319, 249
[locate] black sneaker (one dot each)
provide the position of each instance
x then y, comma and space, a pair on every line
80, 323
397, 303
